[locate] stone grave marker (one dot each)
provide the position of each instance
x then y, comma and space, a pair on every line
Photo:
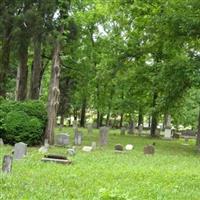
119, 147
7, 164
71, 151
89, 128
62, 139
77, 138
20, 150
123, 131
129, 147
131, 127
149, 150
87, 149
1, 142
168, 132
103, 135
94, 145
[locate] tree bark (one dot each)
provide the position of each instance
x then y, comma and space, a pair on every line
154, 116
54, 92
5, 60
22, 74
140, 117
83, 112
107, 119
198, 132
121, 119
36, 70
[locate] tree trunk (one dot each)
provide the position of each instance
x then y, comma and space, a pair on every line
121, 120
54, 92
107, 119
36, 70
154, 116
83, 112
101, 120
198, 132
140, 117
5, 60
22, 74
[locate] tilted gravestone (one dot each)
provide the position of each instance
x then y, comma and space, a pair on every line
103, 135
1, 142
7, 164
149, 150
123, 131
77, 138
62, 139
20, 150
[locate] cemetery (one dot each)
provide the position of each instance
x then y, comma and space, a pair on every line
99, 100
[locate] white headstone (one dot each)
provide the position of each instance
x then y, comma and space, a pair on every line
167, 133
43, 149
129, 147
87, 148
20, 150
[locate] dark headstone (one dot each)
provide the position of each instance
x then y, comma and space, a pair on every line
119, 147
149, 150
56, 156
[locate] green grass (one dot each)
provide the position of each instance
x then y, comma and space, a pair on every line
173, 173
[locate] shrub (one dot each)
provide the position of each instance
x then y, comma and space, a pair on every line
22, 121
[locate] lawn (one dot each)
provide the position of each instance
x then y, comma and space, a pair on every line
172, 173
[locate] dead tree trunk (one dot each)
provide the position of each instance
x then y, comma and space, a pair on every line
54, 92
36, 70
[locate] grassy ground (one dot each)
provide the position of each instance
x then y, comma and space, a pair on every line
173, 173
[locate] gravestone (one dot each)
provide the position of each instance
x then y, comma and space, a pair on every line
131, 127
123, 131
7, 164
149, 150
71, 152
87, 149
77, 138
1, 142
62, 139
119, 147
89, 128
129, 147
75, 124
103, 135
140, 129
43, 149
20, 150
94, 145
46, 143
168, 133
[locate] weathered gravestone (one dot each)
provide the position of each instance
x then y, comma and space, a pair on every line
7, 164
140, 129
1, 142
20, 150
71, 151
103, 135
94, 145
131, 127
89, 128
119, 147
43, 149
149, 150
129, 147
123, 131
62, 139
168, 132
87, 149
46, 143
77, 138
